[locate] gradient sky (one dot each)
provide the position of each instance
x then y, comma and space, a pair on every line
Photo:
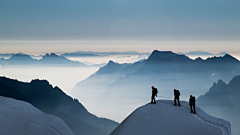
164, 22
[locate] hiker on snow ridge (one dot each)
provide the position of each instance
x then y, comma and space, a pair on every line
192, 104
154, 93
176, 97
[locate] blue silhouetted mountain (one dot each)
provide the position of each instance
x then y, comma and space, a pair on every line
222, 100
198, 53
10, 92
110, 68
166, 61
133, 67
160, 57
222, 53
19, 59
222, 93
199, 59
203, 53
6, 54
53, 59
47, 60
226, 59
169, 62
99, 81
163, 69
54, 101
119, 53
92, 53
80, 54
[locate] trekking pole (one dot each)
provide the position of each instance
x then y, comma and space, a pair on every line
164, 97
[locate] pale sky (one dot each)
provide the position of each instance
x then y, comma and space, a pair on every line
36, 27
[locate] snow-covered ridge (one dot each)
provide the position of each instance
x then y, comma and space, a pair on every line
164, 118
224, 125
19, 117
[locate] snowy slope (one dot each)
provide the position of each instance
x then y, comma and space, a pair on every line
21, 118
165, 119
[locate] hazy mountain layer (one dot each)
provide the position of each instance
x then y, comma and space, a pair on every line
47, 60
131, 85
222, 100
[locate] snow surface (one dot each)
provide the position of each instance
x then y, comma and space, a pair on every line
21, 118
164, 118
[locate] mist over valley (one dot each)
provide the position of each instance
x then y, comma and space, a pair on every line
113, 86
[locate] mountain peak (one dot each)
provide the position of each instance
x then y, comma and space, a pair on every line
229, 56
21, 56
111, 67
198, 59
168, 56
221, 82
42, 82
226, 58
110, 62
51, 55
236, 78
235, 82
20, 53
162, 54
214, 84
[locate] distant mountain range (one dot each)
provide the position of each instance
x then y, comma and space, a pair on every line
93, 54
47, 60
54, 101
98, 54
53, 59
85, 54
222, 100
203, 53
80, 54
6, 54
163, 69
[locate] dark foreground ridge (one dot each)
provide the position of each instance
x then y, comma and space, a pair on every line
54, 101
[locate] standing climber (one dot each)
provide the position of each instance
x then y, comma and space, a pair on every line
192, 104
154, 93
176, 97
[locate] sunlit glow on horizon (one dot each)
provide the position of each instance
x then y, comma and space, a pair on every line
36, 47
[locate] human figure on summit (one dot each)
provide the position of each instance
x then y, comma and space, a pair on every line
176, 97
154, 93
192, 104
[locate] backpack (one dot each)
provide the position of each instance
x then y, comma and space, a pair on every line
194, 100
155, 91
178, 92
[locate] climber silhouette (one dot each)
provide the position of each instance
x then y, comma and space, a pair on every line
192, 104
